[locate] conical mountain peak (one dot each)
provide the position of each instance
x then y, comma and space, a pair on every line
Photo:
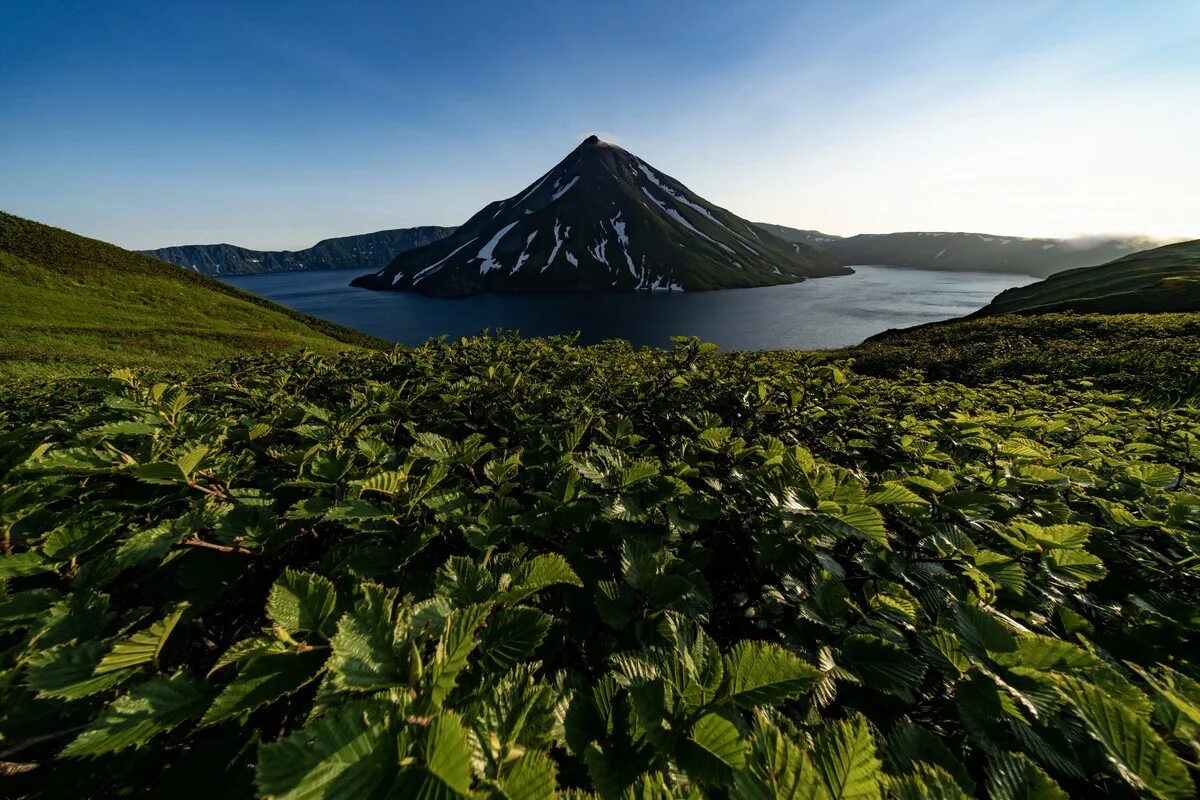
601, 219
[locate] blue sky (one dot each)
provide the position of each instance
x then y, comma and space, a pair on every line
273, 125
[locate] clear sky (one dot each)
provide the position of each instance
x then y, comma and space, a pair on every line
273, 125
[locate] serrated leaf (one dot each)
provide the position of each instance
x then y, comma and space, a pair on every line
345, 755
511, 636
143, 647
447, 754
760, 673
1138, 753
364, 656
721, 739
1076, 566
67, 671
301, 601
189, 461
861, 521
146, 710
536, 574
263, 680
151, 544
1045, 653
910, 745
845, 756
531, 776
1013, 776
388, 483
159, 471
455, 645
21, 565
895, 494
881, 665
927, 782
981, 631
777, 767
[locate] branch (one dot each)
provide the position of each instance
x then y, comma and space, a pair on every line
28, 743
220, 548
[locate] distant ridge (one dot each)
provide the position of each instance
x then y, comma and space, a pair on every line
605, 220
967, 252
363, 251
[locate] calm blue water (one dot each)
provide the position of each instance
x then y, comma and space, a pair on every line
821, 313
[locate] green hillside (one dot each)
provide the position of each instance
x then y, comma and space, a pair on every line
1151, 281
69, 304
1157, 354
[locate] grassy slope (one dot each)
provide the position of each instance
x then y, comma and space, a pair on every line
1163, 279
1159, 353
69, 304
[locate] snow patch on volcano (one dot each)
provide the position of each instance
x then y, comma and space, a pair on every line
490, 263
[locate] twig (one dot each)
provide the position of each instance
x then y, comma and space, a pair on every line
10, 768
220, 548
45, 737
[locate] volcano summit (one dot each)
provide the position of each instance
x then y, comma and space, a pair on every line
601, 220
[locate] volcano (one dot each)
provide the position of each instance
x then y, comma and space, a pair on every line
601, 220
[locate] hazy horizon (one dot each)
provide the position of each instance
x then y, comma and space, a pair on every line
204, 123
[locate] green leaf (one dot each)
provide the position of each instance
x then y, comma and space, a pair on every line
910, 745
1076, 566
26, 609
1055, 537
148, 709
190, 460
143, 647
346, 755
1013, 776
152, 544
537, 574
301, 601
861, 521
21, 565
1157, 475
456, 643
531, 776
895, 494
160, 471
511, 636
760, 673
720, 738
1138, 753
263, 680
845, 756
1005, 571
927, 782
981, 631
388, 483
67, 671
777, 767
447, 754
72, 541
881, 665
364, 656
1046, 653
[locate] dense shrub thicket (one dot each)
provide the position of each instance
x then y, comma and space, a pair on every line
1150, 354
521, 569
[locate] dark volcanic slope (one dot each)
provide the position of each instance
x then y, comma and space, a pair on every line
364, 251
1163, 279
601, 220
